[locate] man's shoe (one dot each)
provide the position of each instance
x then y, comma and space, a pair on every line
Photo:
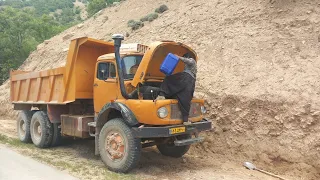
187, 123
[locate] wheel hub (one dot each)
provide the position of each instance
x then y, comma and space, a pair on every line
24, 127
115, 146
39, 129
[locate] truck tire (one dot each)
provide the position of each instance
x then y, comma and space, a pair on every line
56, 139
118, 148
41, 130
23, 126
171, 150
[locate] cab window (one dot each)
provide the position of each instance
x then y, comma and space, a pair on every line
130, 65
106, 70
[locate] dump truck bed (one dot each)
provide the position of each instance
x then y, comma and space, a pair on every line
65, 84
37, 87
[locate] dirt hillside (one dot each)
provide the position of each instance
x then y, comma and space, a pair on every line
259, 70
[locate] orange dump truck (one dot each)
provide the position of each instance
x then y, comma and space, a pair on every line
107, 91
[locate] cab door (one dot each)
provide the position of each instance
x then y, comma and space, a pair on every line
105, 87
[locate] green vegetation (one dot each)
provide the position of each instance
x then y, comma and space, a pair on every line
97, 5
162, 9
40, 6
14, 142
135, 24
26, 23
152, 16
149, 17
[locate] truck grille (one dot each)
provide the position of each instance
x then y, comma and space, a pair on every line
195, 111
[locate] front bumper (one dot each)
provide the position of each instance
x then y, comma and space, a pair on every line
166, 131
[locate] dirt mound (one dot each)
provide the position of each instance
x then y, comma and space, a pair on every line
279, 136
258, 69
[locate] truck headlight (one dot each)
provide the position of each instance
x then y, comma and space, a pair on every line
203, 110
162, 112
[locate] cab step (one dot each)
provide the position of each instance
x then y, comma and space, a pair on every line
185, 142
92, 128
92, 124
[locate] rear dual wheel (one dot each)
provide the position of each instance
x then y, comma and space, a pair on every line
23, 126
41, 130
56, 139
36, 127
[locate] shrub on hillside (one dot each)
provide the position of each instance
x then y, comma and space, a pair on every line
130, 22
111, 2
162, 9
152, 17
144, 18
135, 24
149, 17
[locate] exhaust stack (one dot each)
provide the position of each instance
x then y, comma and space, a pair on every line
117, 44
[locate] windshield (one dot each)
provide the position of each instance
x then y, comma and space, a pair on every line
130, 65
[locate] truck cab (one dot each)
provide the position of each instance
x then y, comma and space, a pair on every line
107, 91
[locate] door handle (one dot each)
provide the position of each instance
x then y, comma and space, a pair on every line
95, 84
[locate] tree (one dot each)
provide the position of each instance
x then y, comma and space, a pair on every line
26, 23
67, 16
15, 42
109, 2
45, 27
95, 6
20, 32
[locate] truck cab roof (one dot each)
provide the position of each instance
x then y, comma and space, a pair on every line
126, 49
111, 56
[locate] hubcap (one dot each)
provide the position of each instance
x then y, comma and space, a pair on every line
22, 127
114, 146
39, 129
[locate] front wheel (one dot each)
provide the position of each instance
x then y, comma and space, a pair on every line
119, 149
169, 149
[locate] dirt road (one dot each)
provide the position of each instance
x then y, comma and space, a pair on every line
77, 157
15, 166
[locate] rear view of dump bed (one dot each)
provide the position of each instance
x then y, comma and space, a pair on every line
65, 84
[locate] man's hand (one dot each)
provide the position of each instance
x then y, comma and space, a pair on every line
178, 56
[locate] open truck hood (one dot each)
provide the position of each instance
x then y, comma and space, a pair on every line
149, 67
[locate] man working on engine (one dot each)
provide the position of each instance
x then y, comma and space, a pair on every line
181, 86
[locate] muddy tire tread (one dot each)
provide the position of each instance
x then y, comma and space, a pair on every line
134, 146
56, 139
46, 127
26, 116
